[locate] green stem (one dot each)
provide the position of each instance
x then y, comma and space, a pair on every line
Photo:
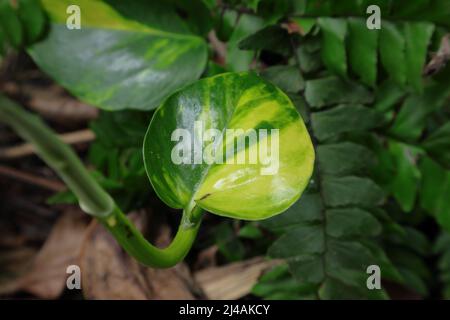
93, 199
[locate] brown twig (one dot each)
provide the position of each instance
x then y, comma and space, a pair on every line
440, 59
219, 47
31, 179
27, 149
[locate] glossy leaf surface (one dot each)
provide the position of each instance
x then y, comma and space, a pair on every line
244, 190
119, 58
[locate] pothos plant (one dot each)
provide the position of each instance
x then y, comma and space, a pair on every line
375, 105
230, 100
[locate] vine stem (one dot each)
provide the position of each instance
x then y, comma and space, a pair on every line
93, 199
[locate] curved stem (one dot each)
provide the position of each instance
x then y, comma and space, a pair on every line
93, 199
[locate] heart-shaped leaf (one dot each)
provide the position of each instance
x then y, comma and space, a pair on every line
232, 144
119, 58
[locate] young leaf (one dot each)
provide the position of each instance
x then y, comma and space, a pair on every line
202, 176
114, 62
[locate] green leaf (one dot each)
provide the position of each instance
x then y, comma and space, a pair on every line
438, 145
271, 38
10, 23
2, 43
250, 232
418, 36
351, 190
362, 50
333, 44
33, 19
229, 101
252, 4
411, 120
287, 78
228, 243
307, 269
305, 25
387, 96
306, 210
115, 62
435, 191
392, 52
350, 222
288, 245
196, 14
343, 158
344, 118
405, 182
413, 8
279, 284
238, 60
307, 55
332, 90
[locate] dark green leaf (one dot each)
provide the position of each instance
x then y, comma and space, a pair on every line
438, 145
288, 78
10, 23
271, 38
350, 222
298, 242
33, 19
308, 269
351, 190
344, 118
343, 158
306, 210
411, 120
332, 90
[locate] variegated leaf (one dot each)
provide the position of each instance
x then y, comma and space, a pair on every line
115, 62
239, 187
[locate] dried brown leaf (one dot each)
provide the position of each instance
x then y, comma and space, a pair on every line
232, 281
47, 277
108, 272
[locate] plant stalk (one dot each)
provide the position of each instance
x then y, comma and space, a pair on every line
93, 199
